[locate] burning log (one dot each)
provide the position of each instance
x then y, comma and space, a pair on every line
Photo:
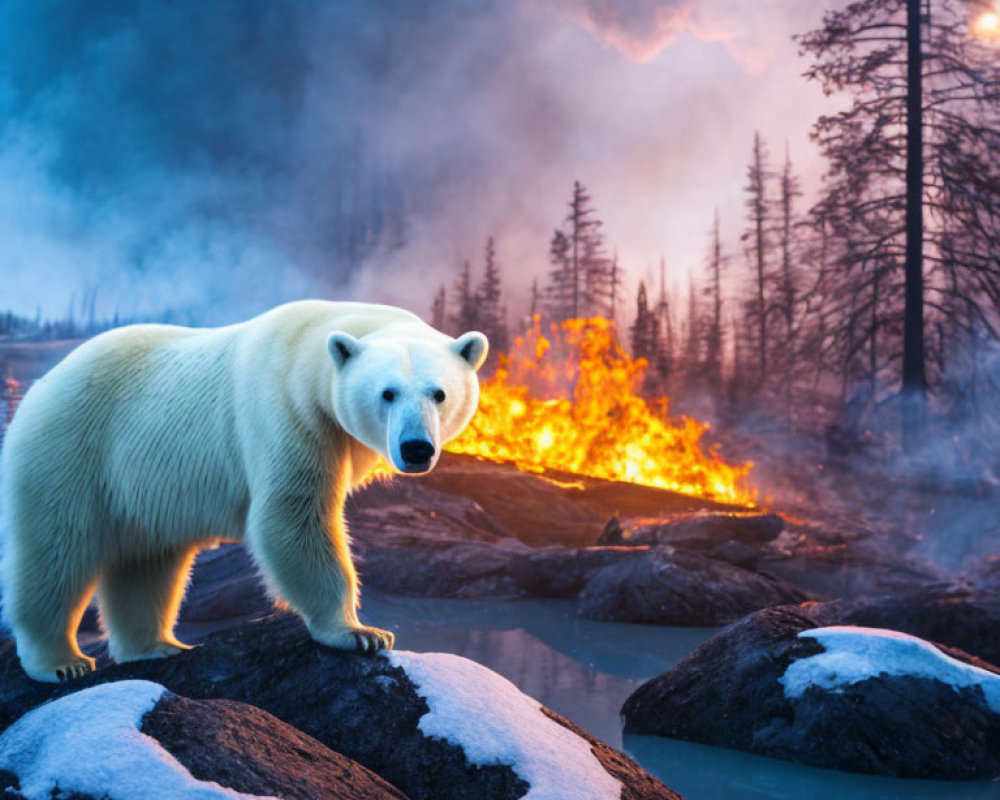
570, 402
701, 531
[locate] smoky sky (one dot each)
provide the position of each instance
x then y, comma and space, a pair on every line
217, 157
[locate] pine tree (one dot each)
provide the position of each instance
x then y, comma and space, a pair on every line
713, 291
581, 281
559, 291
438, 310
614, 287
491, 310
694, 335
644, 332
465, 317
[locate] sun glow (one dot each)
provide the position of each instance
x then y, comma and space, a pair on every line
569, 402
987, 26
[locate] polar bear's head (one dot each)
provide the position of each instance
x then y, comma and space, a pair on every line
405, 394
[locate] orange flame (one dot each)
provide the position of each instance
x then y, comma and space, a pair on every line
570, 403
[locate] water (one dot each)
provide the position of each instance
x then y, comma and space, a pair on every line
585, 670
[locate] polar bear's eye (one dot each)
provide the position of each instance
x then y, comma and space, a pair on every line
439, 396
388, 395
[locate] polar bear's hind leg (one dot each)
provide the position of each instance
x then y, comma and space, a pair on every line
44, 600
140, 599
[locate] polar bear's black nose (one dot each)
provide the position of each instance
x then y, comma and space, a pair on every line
416, 452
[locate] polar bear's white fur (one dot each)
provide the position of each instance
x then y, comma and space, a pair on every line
150, 442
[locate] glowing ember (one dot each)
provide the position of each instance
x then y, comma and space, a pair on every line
569, 403
987, 26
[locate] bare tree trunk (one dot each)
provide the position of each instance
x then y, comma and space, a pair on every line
913, 322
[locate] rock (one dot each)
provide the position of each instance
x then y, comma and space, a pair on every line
857, 569
563, 572
837, 558
701, 531
472, 570
235, 745
399, 507
613, 534
671, 586
954, 615
375, 711
246, 749
225, 585
737, 553
422, 550
10, 785
413, 540
637, 784
854, 699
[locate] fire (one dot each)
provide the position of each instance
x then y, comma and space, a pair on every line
570, 402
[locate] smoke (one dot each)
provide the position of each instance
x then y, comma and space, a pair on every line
217, 158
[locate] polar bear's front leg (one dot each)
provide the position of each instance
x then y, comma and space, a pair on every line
305, 560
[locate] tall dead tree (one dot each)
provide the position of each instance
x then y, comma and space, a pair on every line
913, 183
756, 240
785, 300
713, 291
664, 360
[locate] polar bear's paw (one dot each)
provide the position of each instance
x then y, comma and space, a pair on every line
67, 669
75, 669
123, 653
356, 639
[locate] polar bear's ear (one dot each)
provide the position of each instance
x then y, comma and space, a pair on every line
343, 347
472, 346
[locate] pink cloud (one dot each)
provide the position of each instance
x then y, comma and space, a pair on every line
642, 29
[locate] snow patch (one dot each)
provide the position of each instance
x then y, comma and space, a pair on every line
495, 723
854, 654
89, 742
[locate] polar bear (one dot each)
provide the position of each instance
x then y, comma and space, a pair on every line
150, 442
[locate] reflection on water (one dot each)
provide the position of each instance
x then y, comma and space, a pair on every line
582, 669
700, 772
585, 670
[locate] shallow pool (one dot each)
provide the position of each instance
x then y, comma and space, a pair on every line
585, 670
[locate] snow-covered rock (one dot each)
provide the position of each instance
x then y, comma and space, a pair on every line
89, 743
495, 723
133, 740
437, 727
853, 655
849, 698
955, 615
